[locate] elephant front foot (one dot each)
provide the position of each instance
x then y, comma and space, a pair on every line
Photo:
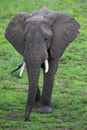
45, 109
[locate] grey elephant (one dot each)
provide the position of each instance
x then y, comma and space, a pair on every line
41, 38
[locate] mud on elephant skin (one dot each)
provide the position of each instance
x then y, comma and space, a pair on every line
41, 38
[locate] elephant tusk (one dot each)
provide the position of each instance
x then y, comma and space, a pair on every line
22, 69
46, 66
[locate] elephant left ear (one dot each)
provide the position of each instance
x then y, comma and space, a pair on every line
65, 30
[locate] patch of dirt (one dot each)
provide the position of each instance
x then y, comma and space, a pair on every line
13, 116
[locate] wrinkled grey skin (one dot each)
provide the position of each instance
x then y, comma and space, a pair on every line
39, 36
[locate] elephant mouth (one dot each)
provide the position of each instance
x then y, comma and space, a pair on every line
45, 66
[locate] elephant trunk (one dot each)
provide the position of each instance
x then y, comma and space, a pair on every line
33, 71
33, 66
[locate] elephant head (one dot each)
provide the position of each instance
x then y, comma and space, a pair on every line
40, 37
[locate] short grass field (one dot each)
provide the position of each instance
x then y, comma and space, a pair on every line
69, 99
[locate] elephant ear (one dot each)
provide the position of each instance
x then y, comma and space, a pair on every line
14, 32
65, 30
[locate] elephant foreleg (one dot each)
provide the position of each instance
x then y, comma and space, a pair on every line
45, 102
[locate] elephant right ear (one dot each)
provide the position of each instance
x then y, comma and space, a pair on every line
14, 32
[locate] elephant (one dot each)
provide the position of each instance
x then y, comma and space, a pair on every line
41, 38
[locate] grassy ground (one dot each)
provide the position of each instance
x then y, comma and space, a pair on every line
69, 100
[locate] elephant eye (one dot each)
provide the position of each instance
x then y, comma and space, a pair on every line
46, 38
24, 39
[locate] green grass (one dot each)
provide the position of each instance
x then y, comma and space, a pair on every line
69, 99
